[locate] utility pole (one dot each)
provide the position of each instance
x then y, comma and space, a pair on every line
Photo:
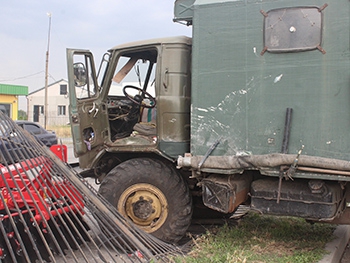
47, 72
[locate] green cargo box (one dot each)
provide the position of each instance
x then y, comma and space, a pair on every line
254, 59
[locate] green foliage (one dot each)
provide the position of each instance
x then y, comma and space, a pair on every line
261, 239
22, 115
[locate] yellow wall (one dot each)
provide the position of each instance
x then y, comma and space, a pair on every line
13, 100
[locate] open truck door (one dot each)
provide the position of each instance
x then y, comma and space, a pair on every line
88, 115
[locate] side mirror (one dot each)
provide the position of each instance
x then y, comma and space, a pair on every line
79, 74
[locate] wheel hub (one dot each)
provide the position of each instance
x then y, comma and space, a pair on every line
145, 205
143, 208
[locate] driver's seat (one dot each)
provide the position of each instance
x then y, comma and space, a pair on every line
146, 129
147, 126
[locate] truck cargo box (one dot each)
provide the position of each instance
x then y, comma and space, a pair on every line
254, 59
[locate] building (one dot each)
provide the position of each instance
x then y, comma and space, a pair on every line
9, 99
57, 101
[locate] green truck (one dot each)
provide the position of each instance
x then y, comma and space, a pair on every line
251, 113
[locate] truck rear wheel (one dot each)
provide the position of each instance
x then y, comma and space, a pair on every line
152, 195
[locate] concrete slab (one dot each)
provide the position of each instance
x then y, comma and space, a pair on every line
337, 246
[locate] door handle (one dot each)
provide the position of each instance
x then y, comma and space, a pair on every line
93, 109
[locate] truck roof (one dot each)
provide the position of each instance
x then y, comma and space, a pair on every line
156, 41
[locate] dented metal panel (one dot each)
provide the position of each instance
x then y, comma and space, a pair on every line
225, 194
242, 95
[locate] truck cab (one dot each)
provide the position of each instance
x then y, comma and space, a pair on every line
138, 102
130, 120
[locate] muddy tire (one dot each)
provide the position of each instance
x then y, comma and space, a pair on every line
152, 195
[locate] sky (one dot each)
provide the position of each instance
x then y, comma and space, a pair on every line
93, 25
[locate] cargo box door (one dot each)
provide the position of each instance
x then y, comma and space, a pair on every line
88, 117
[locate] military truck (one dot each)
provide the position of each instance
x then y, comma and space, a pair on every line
251, 113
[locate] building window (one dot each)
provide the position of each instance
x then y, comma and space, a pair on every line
61, 110
6, 109
293, 29
63, 89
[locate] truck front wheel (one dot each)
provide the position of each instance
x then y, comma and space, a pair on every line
152, 195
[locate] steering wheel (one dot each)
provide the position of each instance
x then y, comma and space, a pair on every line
144, 94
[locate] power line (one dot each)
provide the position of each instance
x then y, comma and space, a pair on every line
23, 77
52, 77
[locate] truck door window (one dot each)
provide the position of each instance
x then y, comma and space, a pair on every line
84, 86
103, 69
292, 29
135, 75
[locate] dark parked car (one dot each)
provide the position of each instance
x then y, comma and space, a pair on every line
10, 143
46, 137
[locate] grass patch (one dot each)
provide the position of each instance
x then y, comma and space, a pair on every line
261, 239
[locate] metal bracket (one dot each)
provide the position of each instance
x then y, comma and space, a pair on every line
210, 150
291, 171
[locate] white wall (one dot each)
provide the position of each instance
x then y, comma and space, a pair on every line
54, 99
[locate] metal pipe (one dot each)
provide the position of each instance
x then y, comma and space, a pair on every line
262, 161
323, 171
285, 144
287, 126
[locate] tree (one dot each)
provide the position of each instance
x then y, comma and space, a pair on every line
22, 115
